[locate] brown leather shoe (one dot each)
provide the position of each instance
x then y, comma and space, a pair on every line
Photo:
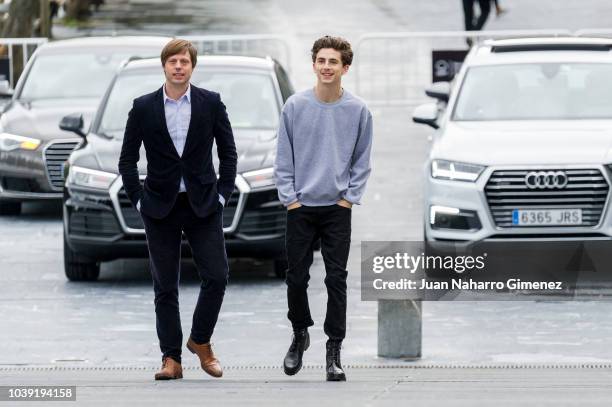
171, 369
208, 361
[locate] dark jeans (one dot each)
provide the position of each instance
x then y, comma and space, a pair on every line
205, 237
468, 13
332, 224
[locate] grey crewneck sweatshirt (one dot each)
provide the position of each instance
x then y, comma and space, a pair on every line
323, 151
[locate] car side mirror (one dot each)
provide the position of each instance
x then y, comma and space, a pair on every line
439, 90
426, 114
74, 123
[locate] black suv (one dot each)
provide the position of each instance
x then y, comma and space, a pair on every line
100, 224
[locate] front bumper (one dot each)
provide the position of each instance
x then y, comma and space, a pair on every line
35, 175
126, 247
104, 226
471, 198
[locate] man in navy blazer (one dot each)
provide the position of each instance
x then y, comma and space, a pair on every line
178, 124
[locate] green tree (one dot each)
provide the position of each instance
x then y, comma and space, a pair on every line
21, 16
20, 23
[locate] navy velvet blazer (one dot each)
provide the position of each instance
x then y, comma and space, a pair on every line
147, 124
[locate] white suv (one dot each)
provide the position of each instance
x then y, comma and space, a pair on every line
523, 143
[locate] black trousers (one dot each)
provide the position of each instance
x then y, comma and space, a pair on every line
332, 224
468, 13
205, 237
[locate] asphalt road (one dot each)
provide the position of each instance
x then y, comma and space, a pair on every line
51, 321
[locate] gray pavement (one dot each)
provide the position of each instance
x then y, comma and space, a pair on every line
90, 333
367, 387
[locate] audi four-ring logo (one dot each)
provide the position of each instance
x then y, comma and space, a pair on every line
546, 180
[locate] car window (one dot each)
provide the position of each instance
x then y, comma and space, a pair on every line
249, 97
74, 75
546, 91
284, 83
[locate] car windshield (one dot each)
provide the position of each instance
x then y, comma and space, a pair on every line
546, 91
74, 75
249, 97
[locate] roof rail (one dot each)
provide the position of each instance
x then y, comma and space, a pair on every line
550, 47
130, 59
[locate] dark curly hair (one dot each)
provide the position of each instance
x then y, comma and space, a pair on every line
337, 43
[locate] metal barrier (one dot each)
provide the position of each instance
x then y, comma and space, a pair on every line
28, 46
273, 46
395, 68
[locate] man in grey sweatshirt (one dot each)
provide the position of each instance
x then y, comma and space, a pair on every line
321, 168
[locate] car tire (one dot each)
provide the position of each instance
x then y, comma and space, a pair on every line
78, 267
280, 268
10, 208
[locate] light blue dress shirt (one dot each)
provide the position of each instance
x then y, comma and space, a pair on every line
178, 116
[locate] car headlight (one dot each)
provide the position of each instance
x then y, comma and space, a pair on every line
257, 179
10, 142
86, 177
451, 170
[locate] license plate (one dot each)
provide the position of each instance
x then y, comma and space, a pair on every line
546, 217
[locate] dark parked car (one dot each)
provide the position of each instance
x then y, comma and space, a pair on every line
100, 224
62, 77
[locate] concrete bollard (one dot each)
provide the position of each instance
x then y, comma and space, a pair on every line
399, 328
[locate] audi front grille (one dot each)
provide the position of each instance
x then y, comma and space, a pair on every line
56, 154
585, 189
263, 217
132, 218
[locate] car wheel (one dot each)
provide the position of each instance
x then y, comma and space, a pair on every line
78, 267
280, 268
8, 208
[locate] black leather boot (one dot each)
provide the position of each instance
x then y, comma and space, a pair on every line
293, 360
333, 366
